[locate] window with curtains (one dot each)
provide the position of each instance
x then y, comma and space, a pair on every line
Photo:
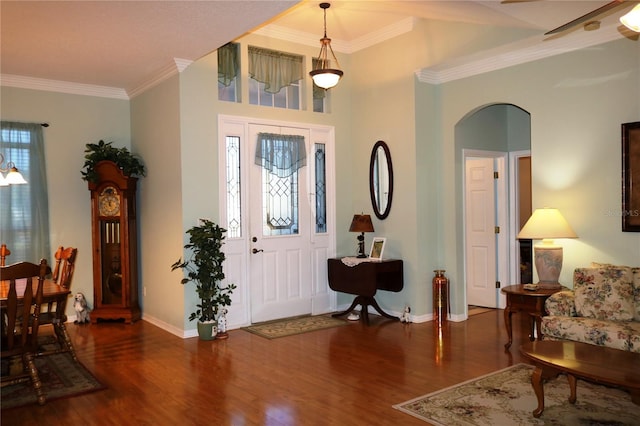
228, 72
24, 209
275, 78
281, 156
319, 94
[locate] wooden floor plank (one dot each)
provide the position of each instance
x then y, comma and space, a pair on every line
338, 376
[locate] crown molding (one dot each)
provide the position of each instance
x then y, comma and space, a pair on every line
368, 40
22, 82
174, 68
527, 50
33, 83
383, 34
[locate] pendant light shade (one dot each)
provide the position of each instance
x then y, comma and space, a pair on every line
324, 75
632, 19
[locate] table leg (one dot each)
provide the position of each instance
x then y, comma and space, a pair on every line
538, 326
507, 324
536, 382
377, 307
572, 386
355, 303
532, 327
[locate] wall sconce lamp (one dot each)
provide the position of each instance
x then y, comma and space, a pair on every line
632, 19
324, 76
13, 177
546, 224
361, 223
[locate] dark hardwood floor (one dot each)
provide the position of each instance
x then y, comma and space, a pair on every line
349, 375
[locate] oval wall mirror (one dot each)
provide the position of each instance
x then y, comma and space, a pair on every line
381, 180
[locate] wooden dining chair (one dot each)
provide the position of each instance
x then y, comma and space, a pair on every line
54, 313
4, 253
21, 317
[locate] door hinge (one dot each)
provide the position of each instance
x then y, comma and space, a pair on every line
496, 175
496, 229
497, 284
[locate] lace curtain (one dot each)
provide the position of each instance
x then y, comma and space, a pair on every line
24, 209
275, 69
228, 63
282, 155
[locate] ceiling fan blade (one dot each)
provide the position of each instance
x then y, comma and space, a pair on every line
585, 18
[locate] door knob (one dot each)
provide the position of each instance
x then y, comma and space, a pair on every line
254, 251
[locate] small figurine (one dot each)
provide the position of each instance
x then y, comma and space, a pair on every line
406, 317
222, 325
81, 308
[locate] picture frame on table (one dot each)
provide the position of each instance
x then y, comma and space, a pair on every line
377, 248
631, 177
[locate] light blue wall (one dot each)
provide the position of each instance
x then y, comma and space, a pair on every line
74, 121
576, 101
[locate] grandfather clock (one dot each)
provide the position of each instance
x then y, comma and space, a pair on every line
115, 245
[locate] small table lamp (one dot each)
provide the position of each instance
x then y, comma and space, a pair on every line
546, 224
361, 223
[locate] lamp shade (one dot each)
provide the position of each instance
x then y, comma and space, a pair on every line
546, 223
14, 177
361, 223
632, 19
326, 78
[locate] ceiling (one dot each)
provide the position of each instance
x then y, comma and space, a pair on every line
122, 44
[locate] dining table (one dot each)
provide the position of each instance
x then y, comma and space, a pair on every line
51, 293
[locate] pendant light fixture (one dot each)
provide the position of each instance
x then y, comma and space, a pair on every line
324, 75
632, 19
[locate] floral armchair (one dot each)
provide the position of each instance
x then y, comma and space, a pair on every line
602, 309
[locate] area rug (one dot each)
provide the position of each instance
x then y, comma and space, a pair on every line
506, 397
61, 377
297, 325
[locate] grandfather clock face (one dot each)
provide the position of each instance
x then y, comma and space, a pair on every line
110, 248
109, 202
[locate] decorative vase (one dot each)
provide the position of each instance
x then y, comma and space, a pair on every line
207, 330
440, 296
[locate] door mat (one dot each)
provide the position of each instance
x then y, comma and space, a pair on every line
506, 397
61, 377
296, 325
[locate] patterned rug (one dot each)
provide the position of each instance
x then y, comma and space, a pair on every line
61, 377
507, 398
297, 325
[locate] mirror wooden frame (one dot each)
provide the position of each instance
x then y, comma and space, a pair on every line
372, 190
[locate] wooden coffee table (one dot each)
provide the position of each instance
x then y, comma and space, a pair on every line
581, 360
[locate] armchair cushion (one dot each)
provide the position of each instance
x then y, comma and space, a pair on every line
604, 293
562, 304
635, 281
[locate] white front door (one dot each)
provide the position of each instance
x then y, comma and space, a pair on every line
481, 220
280, 271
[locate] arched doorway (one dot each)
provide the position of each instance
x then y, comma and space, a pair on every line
491, 142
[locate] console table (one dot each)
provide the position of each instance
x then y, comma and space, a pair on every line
364, 280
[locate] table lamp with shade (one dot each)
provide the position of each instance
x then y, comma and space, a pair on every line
546, 224
361, 223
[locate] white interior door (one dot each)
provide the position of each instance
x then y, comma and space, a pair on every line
480, 223
280, 233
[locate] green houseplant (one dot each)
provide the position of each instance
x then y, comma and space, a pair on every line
130, 164
204, 269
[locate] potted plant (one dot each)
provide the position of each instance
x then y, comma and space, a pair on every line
101, 151
204, 269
